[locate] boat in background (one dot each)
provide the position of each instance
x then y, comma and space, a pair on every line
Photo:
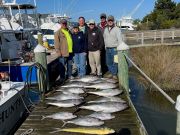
126, 23
50, 24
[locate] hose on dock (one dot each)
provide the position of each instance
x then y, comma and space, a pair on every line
42, 80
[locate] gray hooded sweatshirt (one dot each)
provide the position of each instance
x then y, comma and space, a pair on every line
112, 37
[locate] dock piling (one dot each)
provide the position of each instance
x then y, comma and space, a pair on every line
178, 115
123, 67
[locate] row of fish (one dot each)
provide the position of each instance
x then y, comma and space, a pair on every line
74, 93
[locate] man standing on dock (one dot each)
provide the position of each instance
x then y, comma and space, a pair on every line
112, 38
63, 47
84, 28
95, 45
102, 25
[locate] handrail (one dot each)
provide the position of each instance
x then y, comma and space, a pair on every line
151, 81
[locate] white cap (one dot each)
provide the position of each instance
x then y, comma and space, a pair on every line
91, 21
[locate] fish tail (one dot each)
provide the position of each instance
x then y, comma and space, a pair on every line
64, 123
43, 117
56, 130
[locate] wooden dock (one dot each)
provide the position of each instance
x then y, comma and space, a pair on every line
125, 121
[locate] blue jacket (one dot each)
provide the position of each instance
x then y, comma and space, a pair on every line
79, 45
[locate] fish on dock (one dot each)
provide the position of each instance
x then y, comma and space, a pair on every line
94, 131
102, 86
85, 121
106, 92
66, 103
110, 80
107, 99
75, 84
87, 79
65, 97
60, 116
106, 107
102, 115
72, 90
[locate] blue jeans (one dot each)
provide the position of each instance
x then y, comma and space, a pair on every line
65, 65
80, 61
112, 66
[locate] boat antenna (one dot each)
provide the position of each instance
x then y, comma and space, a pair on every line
9, 65
136, 8
35, 3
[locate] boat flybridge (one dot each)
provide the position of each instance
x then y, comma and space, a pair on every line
50, 25
126, 23
18, 14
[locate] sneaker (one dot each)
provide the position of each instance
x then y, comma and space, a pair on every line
115, 77
93, 74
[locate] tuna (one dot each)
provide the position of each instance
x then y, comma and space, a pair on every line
72, 90
102, 86
65, 97
85, 121
107, 107
110, 80
108, 99
107, 92
75, 84
102, 116
66, 103
87, 79
60, 116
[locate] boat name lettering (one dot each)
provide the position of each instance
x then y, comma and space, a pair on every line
5, 114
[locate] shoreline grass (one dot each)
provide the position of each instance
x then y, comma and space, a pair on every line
161, 64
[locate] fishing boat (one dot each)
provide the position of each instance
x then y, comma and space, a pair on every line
126, 23
13, 104
50, 25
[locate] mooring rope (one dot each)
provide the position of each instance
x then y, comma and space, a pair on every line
151, 81
27, 132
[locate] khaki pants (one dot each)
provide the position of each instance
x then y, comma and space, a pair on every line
95, 62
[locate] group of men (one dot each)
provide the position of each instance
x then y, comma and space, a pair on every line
92, 47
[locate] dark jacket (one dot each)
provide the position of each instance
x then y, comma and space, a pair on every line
95, 39
86, 35
79, 45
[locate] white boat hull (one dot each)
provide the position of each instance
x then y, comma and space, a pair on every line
11, 110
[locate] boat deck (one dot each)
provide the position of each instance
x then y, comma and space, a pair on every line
125, 122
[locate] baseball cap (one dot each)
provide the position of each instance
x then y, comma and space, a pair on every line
91, 21
63, 21
76, 25
103, 15
110, 17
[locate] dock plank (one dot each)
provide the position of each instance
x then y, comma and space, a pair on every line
124, 120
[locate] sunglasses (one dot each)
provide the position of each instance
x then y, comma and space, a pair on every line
91, 24
110, 21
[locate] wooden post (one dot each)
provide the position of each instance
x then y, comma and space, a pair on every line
178, 115
123, 70
155, 35
173, 35
142, 38
40, 39
162, 37
40, 57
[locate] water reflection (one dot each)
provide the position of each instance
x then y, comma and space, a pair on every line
156, 112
